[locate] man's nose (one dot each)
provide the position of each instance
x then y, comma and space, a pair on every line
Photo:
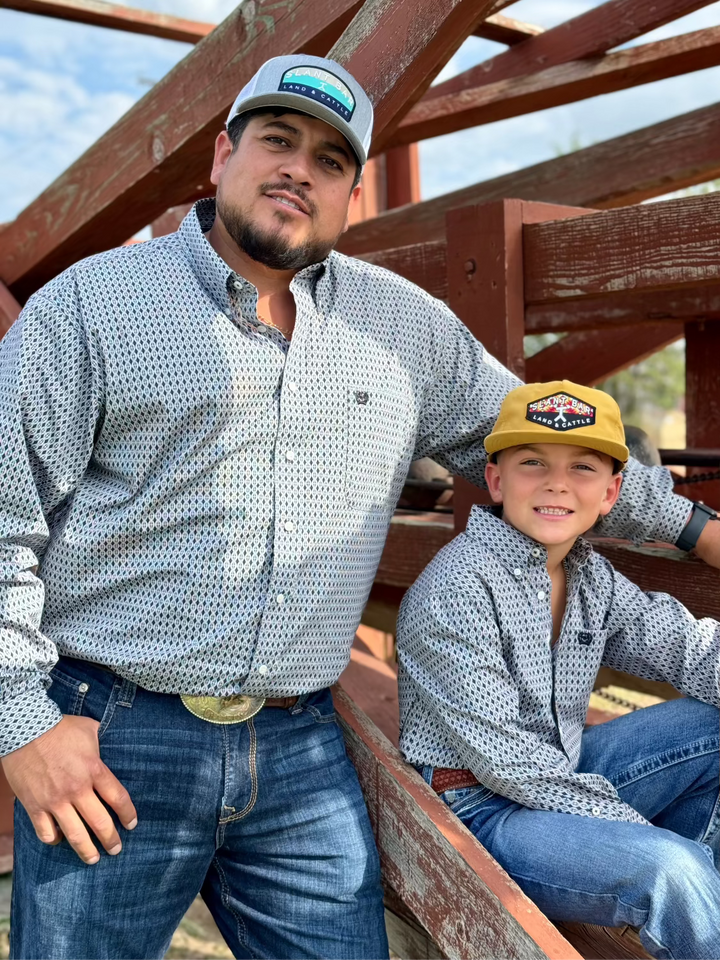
298, 168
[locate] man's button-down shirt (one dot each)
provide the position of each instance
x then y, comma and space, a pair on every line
201, 497
482, 686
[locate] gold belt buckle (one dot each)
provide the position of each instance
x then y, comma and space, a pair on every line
235, 709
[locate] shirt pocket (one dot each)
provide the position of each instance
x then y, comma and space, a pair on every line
380, 443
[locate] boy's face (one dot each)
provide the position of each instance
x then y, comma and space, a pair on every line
553, 492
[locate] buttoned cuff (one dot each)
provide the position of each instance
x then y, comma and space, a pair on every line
673, 520
615, 810
26, 717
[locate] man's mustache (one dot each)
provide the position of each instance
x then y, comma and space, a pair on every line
294, 190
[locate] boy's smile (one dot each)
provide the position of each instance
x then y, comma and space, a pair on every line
553, 492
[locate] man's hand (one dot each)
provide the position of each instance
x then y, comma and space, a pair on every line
708, 545
58, 778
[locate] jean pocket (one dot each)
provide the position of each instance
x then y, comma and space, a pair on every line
86, 691
320, 707
467, 801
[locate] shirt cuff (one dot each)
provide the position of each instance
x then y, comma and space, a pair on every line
26, 717
615, 810
673, 521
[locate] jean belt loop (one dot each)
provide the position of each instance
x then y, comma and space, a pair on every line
127, 693
427, 773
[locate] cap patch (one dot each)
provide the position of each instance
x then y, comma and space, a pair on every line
561, 411
321, 86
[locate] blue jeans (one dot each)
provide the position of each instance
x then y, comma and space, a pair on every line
265, 818
663, 761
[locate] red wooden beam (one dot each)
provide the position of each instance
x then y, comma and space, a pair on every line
506, 30
566, 83
159, 152
9, 309
646, 163
702, 400
115, 17
588, 35
590, 357
402, 176
670, 245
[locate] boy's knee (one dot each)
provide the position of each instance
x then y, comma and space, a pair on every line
676, 868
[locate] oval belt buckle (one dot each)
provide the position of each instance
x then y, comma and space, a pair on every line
236, 709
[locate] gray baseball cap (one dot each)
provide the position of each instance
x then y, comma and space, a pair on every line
316, 86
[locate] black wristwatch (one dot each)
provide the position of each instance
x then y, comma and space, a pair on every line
695, 525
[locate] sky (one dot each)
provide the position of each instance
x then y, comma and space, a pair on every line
64, 84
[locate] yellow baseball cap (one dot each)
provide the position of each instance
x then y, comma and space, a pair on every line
559, 412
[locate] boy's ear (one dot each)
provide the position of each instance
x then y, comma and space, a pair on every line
492, 479
611, 495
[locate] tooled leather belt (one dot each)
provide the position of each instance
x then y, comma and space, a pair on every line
446, 778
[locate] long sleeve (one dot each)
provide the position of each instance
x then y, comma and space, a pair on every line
653, 635
450, 650
49, 407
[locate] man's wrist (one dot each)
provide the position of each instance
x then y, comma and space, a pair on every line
699, 517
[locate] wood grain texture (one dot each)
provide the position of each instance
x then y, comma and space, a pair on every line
9, 309
590, 34
411, 544
506, 30
565, 83
395, 49
402, 176
592, 356
646, 163
702, 400
428, 856
422, 263
160, 151
656, 246
114, 16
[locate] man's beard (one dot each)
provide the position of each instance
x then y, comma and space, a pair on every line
270, 248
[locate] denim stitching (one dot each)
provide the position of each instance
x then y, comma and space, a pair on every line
253, 777
668, 759
225, 897
714, 823
319, 717
109, 712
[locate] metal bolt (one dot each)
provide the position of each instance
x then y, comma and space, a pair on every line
470, 266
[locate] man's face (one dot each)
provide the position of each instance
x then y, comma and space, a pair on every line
283, 195
553, 492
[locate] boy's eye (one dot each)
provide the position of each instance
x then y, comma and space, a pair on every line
585, 466
530, 463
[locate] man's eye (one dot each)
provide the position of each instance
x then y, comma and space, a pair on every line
331, 163
280, 140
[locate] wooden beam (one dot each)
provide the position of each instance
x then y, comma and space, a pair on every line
423, 846
702, 401
646, 163
422, 263
115, 17
589, 357
588, 35
395, 49
654, 246
566, 83
506, 30
402, 176
160, 151
9, 309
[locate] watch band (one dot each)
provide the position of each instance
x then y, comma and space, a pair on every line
695, 525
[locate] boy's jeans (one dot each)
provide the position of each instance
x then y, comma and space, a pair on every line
265, 817
663, 760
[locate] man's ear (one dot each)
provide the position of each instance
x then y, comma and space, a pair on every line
492, 479
223, 152
354, 198
611, 495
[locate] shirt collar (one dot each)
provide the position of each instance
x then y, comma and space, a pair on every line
512, 548
209, 266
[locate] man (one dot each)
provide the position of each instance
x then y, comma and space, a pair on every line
203, 441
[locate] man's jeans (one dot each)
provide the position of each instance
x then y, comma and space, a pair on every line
663, 761
265, 818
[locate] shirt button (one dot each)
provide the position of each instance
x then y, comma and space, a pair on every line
280, 598
84, 687
289, 526
535, 551
541, 594
237, 284
517, 571
450, 796
596, 811
262, 669
290, 455
292, 386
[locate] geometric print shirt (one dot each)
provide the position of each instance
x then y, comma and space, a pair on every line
483, 688
194, 502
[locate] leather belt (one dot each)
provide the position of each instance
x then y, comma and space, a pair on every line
446, 778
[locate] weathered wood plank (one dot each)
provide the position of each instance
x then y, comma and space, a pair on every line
646, 163
158, 153
702, 398
603, 943
424, 848
114, 16
566, 83
411, 544
656, 246
422, 263
395, 50
590, 34
590, 357
506, 30
9, 309
402, 176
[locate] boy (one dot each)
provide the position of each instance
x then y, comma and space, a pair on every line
500, 641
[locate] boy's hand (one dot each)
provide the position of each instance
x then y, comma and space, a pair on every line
708, 545
59, 778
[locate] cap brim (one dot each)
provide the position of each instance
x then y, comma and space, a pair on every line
494, 443
312, 108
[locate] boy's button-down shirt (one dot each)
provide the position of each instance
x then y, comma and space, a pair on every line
207, 503
482, 687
